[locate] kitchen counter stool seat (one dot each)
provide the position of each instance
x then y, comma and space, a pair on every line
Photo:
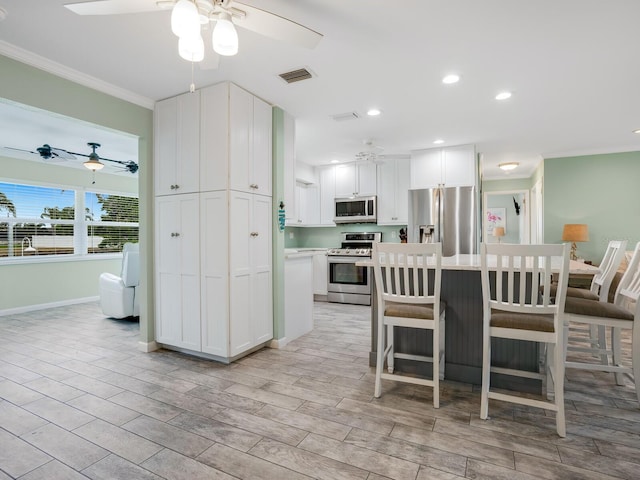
408, 298
514, 309
624, 313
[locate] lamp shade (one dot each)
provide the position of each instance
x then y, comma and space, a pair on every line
225, 37
498, 231
575, 232
185, 19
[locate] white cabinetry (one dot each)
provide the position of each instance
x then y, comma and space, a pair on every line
451, 166
393, 188
290, 204
320, 272
307, 205
250, 142
214, 287
353, 179
327, 177
177, 143
177, 263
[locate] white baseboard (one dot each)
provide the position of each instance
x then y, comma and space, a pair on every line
147, 347
278, 343
44, 306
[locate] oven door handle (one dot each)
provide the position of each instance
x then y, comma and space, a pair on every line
339, 259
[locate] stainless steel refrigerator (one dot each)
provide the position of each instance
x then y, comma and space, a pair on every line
448, 215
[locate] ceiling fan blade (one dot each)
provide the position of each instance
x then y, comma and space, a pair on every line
113, 7
62, 154
274, 26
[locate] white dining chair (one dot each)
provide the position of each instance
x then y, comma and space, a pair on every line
514, 308
408, 297
623, 314
594, 336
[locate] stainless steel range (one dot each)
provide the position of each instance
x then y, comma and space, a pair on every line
347, 282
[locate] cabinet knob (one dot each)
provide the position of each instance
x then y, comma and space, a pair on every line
254, 186
394, 218
175, 187
254, 234
175, 234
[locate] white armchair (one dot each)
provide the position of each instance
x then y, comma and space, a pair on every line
119, 295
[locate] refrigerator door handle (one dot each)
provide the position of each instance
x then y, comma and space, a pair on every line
439, 217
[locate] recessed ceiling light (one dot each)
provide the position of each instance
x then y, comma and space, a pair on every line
452, 78
503, 95
373, 112
637, 131
508, 166
335, 161
438, 141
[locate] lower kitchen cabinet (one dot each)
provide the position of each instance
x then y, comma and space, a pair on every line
224, 306
178, 271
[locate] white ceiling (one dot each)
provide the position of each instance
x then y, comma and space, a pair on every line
572, 66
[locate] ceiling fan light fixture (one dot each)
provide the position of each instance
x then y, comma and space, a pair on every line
185, 19
225, 37
191, 48
94, 163
507, 166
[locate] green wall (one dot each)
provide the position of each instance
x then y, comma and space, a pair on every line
31, 86
328, 237
278, 236
599, 190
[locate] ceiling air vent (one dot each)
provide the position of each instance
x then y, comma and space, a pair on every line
296, 75
341, 117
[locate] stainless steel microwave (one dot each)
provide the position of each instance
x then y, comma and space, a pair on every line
356, 210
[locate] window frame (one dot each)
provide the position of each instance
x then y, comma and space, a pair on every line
80, 225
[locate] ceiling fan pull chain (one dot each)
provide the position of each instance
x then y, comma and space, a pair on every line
192, 87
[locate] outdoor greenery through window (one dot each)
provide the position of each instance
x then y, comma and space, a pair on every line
36, 220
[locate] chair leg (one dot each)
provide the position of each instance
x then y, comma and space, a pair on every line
635, 358
442, 356
379, 357
602, 344
616, 347
558, 378
436, 365
390, 357
486, 375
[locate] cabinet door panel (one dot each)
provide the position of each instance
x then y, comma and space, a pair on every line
327, 196
261, 307
366, 179
261, 174
403, 178
167, 244
459, 166
345, 180
190, 313
214, 246
188, 159
165, 150
387, 192
214, 137
426, 168
169, 306
240, 127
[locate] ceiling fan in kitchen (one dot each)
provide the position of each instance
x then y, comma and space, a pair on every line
370, 152
94, 162
188, 17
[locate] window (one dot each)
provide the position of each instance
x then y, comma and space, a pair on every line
37, 220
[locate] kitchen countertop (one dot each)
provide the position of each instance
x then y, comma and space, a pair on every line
302, 252
472, 262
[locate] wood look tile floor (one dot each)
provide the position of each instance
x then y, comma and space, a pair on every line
77, 400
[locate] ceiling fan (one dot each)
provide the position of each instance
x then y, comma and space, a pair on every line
188, 16
94, 163
370, 152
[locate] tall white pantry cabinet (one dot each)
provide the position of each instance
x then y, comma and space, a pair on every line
213, 241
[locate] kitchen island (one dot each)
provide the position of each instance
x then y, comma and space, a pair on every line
461, 289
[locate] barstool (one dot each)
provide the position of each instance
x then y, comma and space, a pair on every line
406, 298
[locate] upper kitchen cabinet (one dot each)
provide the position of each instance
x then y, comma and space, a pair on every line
327, 176
355, 179
451, 166
250, 142
290, 189
393, 188
177, 144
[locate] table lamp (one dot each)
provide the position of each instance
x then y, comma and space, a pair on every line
498, 232
575, 232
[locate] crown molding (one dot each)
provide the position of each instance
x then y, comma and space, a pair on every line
592, 151
42, 63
